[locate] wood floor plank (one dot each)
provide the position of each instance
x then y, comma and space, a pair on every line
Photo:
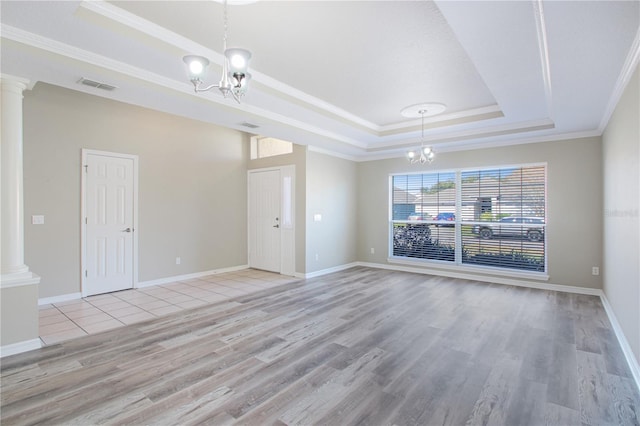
563, 376
596, 407
357, 347
527, 404
491, 405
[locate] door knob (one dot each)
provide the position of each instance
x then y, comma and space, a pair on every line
276, 226
126, 230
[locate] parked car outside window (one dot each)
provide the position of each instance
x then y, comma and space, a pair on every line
418, 216
448, 217
512, 226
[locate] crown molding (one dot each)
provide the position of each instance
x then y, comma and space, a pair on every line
136, 23
629, 67
156, 32
472, 145
541, 30
484, 144
314, 148
500, 130
52, 46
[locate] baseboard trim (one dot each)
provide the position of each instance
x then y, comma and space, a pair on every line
17, 348
622, 339
326, 271
488, 279
168, 280
59, 299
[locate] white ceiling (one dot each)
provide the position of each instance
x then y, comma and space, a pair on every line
336, 74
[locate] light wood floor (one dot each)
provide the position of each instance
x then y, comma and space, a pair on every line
362, 346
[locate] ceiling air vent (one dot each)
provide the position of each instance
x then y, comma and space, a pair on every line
249, 125
96, 84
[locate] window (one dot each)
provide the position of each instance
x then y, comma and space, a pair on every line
423, 223
262, 147
488, 217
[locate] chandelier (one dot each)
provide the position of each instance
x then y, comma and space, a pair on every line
424, 154
234, 77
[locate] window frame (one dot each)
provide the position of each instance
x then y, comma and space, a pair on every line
458, 264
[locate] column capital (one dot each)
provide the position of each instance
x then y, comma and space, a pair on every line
8, 81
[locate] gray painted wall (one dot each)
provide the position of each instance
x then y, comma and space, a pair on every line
574, 197
188, 169
331, 192
621, 157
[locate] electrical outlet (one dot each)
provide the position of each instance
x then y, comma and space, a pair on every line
373, 250
178, 261
595, 271
317, 256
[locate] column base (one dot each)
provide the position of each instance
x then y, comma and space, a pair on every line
19, 279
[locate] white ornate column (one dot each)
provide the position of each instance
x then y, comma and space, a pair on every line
19, 286
12, 196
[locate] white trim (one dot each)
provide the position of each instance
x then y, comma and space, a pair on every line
624, 343
173, 39
494, 280
488, 279
19, 280
629, 67
168, 280
543, 47
473, 134
83, 212
17, 348
59, 299
495, 108
324, 151
469, 145
326, 271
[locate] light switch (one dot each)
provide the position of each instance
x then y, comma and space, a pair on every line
317, 217
37, 219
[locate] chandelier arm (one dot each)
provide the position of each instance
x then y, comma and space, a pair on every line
199, 89
228, 84
426, 153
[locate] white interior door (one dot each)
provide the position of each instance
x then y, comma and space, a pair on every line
109, 204
265, 220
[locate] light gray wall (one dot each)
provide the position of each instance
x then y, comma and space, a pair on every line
621, 158
192, 186
574, 197
332, 193
297, 158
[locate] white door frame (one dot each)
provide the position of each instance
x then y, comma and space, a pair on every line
287, 220
83, 214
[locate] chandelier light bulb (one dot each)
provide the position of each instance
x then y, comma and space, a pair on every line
234, 77
196, 67
238, 61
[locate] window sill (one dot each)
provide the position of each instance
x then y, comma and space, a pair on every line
485, 271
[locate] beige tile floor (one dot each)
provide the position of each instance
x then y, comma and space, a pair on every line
76, 318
